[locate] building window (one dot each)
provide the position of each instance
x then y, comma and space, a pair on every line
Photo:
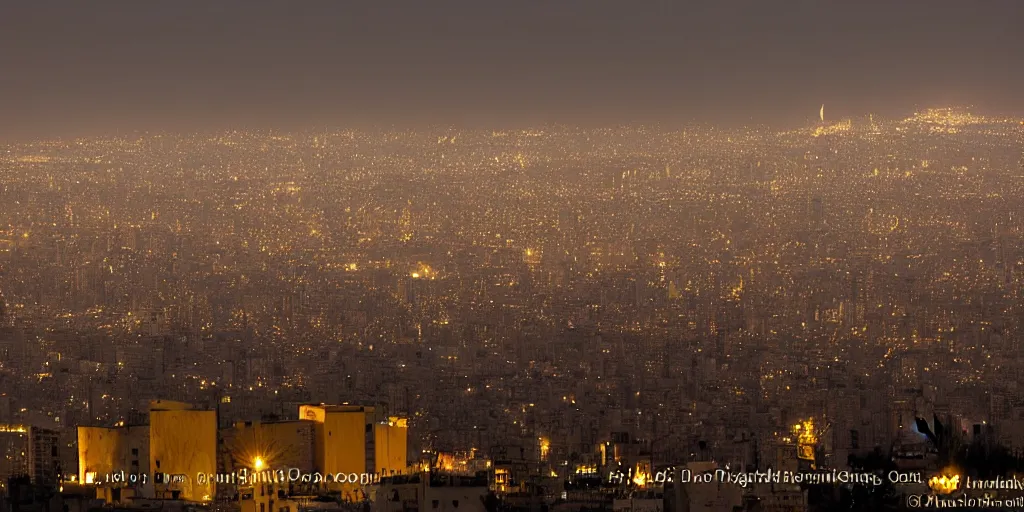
263, 507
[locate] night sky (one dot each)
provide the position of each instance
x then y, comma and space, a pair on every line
95, 67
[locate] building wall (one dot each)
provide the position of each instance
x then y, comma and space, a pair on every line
453, 499
345, 442
340, 437
316, 414
282, 445
391, 447
106, 451
780, 497
99, 452
184, 442
710, 497
391, 497
264, 497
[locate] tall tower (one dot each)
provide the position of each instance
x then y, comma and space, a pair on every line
817, 212
3, 310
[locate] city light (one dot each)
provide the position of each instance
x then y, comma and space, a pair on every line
944, 484
607, 298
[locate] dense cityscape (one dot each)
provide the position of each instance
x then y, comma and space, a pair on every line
548, 308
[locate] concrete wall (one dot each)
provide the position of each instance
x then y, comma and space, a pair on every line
345, 442
391, 448
184, 442
100, 451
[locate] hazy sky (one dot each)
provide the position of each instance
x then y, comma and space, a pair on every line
98, 66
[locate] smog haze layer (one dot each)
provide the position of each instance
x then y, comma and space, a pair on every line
81, 69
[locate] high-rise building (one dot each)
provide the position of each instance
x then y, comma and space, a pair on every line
44, 466
29, 451
817, 212
6, 315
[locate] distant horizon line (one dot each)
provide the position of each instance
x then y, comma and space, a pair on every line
412, 126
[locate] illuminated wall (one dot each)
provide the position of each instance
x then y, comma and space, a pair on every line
103, 451
279, 444
312, 413
391, 445
341, 438
345, 442
100, 451
184, 442
316, 414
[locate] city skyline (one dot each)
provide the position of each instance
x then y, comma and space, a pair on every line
542, 305
814, 120
522, 256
